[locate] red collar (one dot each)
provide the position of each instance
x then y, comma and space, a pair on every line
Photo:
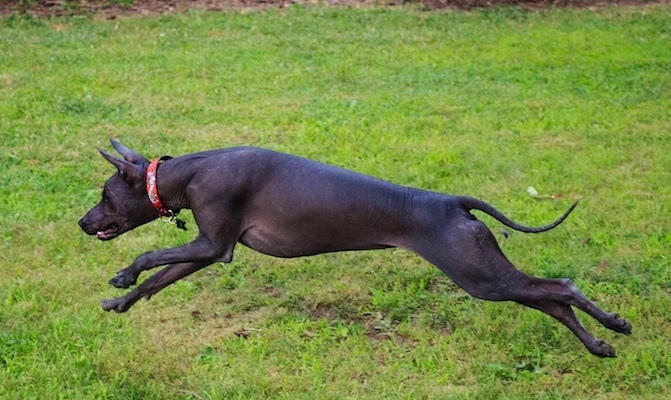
152, 189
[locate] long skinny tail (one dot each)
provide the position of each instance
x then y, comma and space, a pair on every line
472, 203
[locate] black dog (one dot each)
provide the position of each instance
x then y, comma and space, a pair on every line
287, 206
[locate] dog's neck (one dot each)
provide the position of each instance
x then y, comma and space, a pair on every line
152, 188
164, 210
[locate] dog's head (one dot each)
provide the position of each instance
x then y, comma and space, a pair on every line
124, 204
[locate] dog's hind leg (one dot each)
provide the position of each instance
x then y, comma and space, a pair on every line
466, 251
563, 291
564, 314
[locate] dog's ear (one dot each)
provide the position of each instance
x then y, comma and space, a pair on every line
128, 154
131, 173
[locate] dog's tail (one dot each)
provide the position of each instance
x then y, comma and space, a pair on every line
472, 203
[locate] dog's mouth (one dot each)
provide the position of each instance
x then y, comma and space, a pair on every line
110, 232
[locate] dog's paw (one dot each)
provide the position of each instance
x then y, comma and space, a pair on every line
117, 305
602, 349
122, 280
619, 324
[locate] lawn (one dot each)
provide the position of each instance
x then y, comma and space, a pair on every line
574, 103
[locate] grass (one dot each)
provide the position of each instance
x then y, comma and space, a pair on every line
486, 103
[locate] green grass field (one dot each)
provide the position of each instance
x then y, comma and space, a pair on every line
575, 103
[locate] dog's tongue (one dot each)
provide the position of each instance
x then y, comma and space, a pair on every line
100, 234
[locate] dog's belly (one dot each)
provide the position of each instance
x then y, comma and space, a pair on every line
355, 216
301, 243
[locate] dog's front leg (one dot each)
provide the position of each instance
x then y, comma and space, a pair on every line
152, 285
201, 251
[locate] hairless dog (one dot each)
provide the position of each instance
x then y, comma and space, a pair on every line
287, 206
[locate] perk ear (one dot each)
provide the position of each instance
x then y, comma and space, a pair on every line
130, 172
128, 154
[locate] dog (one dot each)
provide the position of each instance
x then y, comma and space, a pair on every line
288, 206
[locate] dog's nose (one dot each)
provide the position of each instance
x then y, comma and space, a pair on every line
84, 224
